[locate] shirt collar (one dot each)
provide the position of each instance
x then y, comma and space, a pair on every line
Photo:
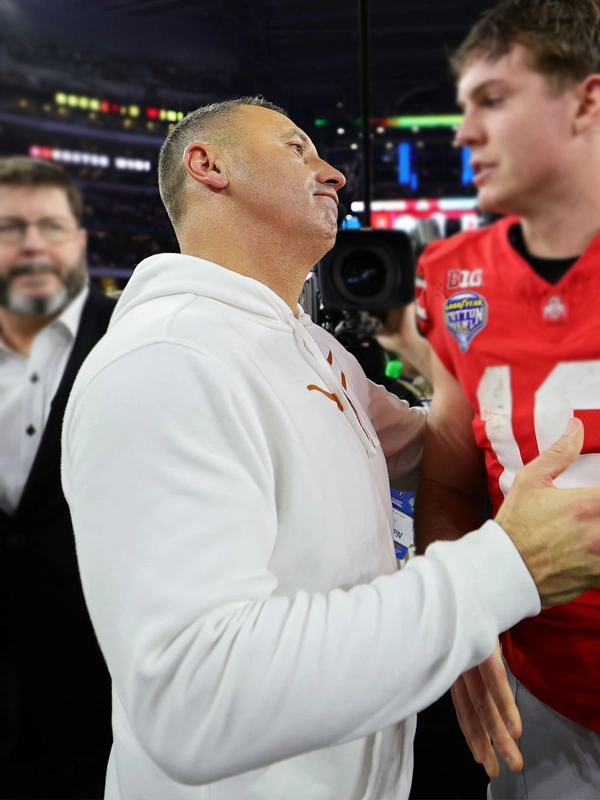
71, 316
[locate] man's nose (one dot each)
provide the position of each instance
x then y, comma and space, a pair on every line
33, 240
469, 131
331, 176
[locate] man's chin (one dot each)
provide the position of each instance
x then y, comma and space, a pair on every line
330, 230
490, 202
42, 306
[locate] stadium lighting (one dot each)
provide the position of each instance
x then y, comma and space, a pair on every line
429, 121
414, 123
109, 107
86, 158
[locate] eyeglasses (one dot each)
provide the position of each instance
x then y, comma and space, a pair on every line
51, 231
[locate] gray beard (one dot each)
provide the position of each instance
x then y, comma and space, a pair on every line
73, 283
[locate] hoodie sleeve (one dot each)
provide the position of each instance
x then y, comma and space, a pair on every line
400, 431
216, 674
399, 428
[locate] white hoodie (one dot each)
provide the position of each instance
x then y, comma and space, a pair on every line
232, 516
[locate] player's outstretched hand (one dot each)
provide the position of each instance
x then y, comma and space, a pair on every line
487, 713
557, 531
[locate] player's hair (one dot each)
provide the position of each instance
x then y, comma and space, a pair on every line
34, 172
212, 123
562, 38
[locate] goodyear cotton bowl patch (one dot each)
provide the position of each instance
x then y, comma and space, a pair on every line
466, 315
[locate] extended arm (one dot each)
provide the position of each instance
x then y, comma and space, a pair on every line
451, 496
450, 503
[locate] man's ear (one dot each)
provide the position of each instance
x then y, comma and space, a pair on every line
203, 165
588, 110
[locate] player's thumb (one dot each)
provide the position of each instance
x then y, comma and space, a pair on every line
558, 457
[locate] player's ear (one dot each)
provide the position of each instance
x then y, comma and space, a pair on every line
588, 104
204, 165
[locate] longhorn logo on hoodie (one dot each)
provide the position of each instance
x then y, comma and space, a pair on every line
332, 396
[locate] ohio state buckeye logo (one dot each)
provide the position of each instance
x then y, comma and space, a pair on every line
555, 310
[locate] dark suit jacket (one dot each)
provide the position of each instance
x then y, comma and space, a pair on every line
54, 685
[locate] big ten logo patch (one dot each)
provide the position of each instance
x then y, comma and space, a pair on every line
465, 278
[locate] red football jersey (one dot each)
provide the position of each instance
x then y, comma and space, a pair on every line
527, 354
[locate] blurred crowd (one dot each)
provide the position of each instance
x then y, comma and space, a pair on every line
41, 54
125, 228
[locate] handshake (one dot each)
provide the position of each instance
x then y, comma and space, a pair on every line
557, 532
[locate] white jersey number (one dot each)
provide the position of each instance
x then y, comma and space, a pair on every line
571, 389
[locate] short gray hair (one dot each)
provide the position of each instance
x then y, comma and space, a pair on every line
204, 124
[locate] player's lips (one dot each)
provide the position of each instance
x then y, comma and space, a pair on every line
482, 171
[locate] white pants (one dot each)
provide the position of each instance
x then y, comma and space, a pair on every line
562, 758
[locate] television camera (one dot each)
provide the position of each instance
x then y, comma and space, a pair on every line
351, 289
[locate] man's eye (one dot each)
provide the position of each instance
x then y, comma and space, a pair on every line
51, 227
491, 102
298, 146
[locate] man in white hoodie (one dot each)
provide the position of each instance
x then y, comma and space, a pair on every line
226, 464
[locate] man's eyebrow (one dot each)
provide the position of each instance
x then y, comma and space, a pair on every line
290, 132
480, 89
45, 218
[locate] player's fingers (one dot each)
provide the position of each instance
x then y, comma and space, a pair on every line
460, 698
491, 720
495, 678
477, 739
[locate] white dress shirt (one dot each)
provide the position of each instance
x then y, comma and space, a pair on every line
27, 387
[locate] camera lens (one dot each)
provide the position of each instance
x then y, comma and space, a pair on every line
363, 273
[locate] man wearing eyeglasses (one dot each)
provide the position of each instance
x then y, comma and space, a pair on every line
55, 733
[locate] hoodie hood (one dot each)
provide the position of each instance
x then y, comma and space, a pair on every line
170, 274
176, 274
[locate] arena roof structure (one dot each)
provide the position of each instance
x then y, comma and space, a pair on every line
303, 55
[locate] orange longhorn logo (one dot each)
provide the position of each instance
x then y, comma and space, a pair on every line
332, 395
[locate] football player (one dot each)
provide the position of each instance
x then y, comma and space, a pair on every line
511, 313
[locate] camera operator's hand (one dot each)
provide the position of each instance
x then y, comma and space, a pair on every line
398, 333
557, 531
391, 332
